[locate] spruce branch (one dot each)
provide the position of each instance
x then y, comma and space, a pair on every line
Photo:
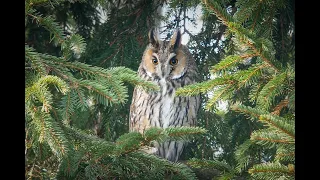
230, 61
39, 90
203, 87
218, 94
255, 90
243, 14
76, 134
272, 89
184, 133
68, 110
203, 163
60, 85
54, 28
41, 94
248, 77
35, 60
285, 154
245, 36
242, 155
129, 142
279, 124
291, 104
71, 102
162, 166
69, 44
73, 44
256, 46
51, 132
133, 141
70, 164
101, 93
253, 113
269, 138
272, 171
283, 103
130, 76
215, 7
111, 75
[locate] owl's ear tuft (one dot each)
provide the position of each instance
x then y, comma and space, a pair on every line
153, 37
175, 41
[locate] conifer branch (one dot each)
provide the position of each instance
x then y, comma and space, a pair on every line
250, 43
49, 23
102, 94
252, 112
246, 76
70, 164
60, 85
273, 88
255, 90
66, 104
256, 16
183, 133
285, 154
77, 44
132, 141
130, 76
204, 87
230, 61
35, 60
275, 170
180, 171
219, 12
281, 155
203, 163
278, 123
283, 103
243, 14
268, 137
112, 74
51, 132
244, 35
39, 90
217, 96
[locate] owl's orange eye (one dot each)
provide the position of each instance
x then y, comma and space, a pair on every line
154, 60
173, 61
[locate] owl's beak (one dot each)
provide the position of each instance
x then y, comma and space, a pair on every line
165, 70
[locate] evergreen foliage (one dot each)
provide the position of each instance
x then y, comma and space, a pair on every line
80, 73
57, 87
266, 74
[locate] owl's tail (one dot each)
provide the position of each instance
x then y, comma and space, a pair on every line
170, 150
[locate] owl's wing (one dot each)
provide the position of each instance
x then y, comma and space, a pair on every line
197, 107
139, 112
132, 115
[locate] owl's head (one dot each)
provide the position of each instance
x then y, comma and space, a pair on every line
165, 59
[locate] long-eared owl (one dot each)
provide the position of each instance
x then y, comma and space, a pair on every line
170, 65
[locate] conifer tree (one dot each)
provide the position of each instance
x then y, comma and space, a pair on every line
58, 87
79, 84
257, 78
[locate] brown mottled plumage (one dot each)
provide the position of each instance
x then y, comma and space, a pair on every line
170, 65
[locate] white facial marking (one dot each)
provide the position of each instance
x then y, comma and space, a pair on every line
155, 55
177, 76
172, 55
149, 73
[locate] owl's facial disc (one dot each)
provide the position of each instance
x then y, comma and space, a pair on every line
172, 66
179, 64
165, 59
